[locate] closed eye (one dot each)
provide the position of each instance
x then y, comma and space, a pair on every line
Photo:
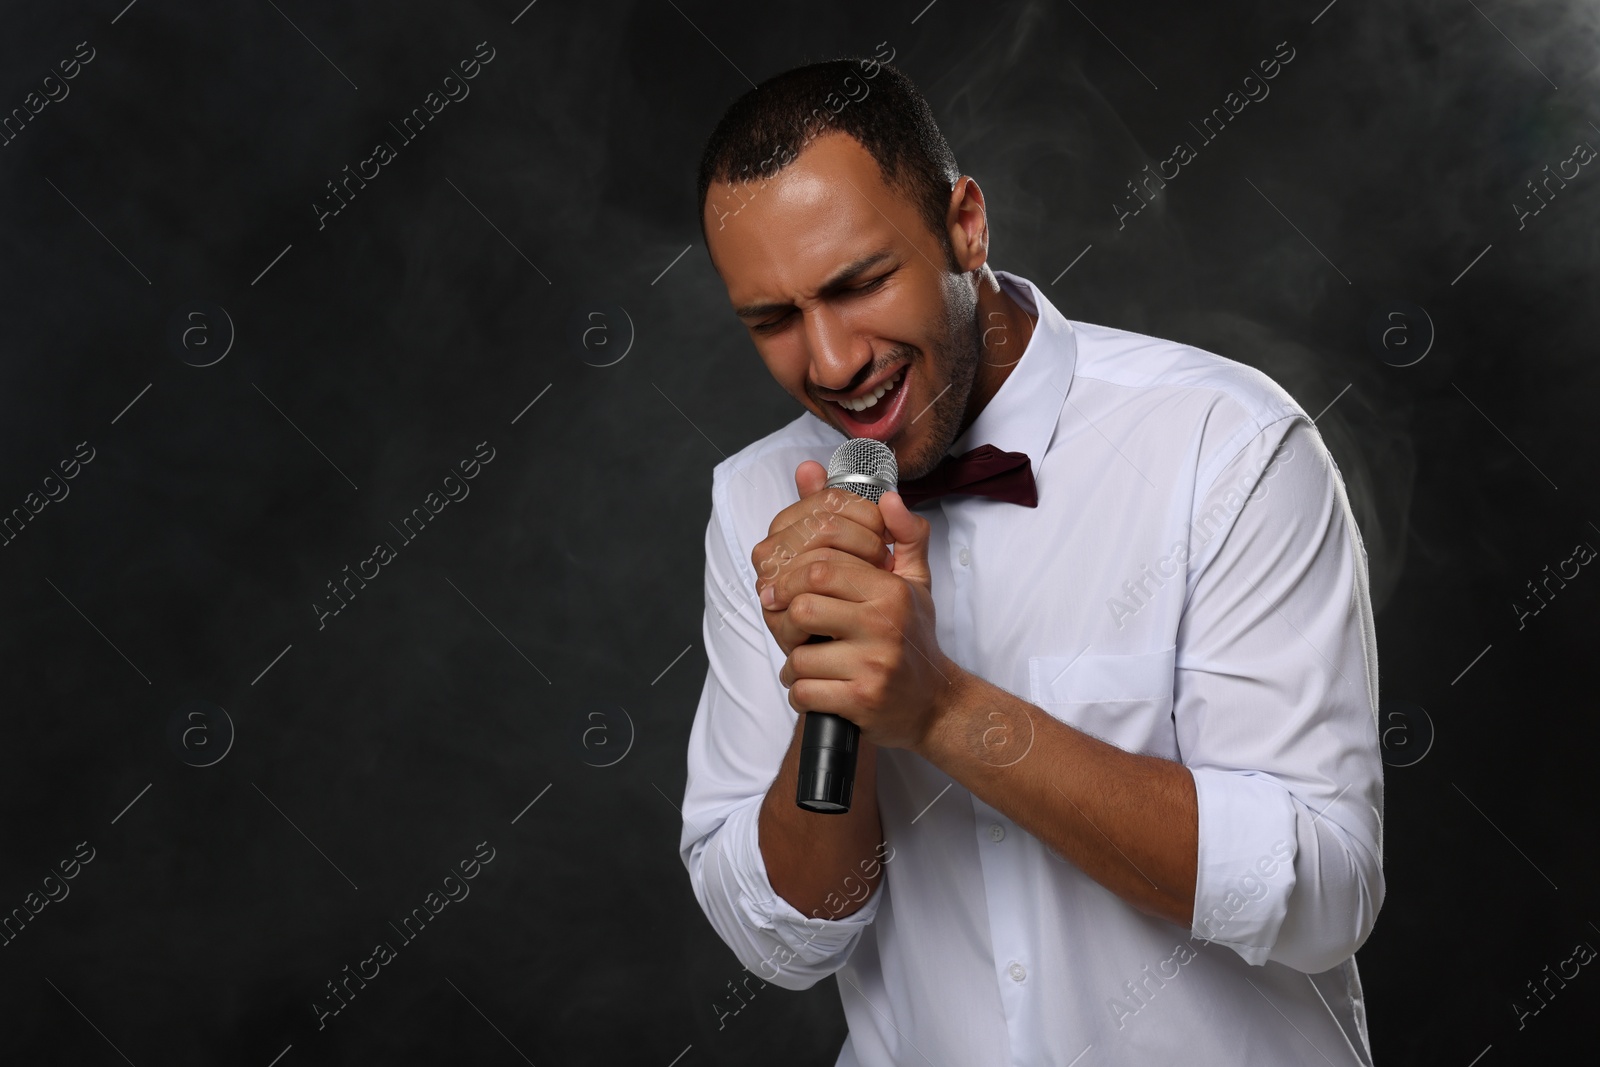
867, 287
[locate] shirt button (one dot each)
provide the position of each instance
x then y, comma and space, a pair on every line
1017, 971
964, 556
997, 832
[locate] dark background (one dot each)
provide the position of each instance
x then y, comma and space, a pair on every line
539, 643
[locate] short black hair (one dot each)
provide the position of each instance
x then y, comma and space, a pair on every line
767, 128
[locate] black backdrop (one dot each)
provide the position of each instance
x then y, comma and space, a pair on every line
219, 393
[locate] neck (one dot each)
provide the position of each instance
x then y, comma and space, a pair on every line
1005, 329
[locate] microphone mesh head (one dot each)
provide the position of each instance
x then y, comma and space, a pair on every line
865, 466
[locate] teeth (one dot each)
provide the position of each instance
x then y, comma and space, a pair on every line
865, 402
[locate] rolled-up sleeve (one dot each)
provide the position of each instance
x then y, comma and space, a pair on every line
1275, 704
741, 732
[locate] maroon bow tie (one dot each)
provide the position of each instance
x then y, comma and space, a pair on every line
984, 471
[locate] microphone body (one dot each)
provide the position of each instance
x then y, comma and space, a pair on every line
828, 746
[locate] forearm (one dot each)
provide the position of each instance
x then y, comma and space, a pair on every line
1128, 821
817, 861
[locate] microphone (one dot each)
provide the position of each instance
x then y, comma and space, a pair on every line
866, 467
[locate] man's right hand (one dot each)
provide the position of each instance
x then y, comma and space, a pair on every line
824, 524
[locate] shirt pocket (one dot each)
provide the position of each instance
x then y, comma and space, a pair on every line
1124, 700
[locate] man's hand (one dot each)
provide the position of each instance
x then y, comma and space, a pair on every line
830, 524
883, 670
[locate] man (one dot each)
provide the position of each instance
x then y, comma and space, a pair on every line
1119, 796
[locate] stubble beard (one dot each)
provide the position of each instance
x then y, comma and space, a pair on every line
954, 360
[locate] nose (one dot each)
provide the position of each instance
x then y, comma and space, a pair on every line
840, 358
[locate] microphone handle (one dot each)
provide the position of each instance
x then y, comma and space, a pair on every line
827, 759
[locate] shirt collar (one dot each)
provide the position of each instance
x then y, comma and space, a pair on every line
1023, 414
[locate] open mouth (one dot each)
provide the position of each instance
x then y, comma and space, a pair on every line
878, 414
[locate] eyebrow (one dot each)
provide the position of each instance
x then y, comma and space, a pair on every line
843, 277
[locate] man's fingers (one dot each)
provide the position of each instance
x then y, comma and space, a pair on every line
825, 659
810, 477
829, 502
807, 615
823, 694
826, 571
823, 527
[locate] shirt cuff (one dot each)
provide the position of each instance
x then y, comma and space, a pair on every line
784, 947
1245, 868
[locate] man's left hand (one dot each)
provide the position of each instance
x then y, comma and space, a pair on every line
883, 670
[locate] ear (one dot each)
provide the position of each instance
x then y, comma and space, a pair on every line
968, 225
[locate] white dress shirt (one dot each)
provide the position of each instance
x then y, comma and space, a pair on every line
1192, 586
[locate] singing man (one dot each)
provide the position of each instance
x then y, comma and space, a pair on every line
1109, 646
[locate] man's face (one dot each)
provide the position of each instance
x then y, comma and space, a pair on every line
844, 290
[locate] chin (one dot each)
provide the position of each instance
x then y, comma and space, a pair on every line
918, 460
909, 474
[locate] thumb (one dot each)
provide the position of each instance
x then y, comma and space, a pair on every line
910, 532
810, 477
